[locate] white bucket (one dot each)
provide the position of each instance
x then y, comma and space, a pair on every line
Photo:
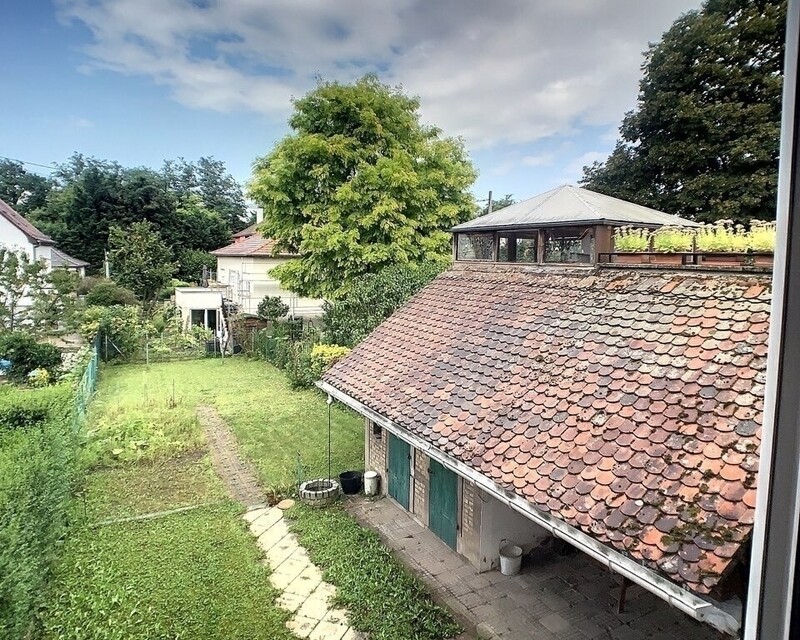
510, 559
371, 482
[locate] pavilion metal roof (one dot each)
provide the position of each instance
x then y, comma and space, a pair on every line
568, 205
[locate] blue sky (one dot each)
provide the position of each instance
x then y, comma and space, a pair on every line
536, 89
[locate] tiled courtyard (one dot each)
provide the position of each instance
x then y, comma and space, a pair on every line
561, 597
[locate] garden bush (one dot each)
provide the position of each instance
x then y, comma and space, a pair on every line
107, 293
26, 355
373, 298
38, 467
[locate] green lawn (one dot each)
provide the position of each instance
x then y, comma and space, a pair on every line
198, 574
148, 413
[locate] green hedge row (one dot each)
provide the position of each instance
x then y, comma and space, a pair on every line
38, 466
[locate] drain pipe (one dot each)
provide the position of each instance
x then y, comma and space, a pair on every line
685, 601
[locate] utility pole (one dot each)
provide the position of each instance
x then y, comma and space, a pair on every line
489, 206
106, 264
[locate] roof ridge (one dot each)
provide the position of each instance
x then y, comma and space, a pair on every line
576, 191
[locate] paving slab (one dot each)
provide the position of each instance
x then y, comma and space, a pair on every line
304, 593
557, 598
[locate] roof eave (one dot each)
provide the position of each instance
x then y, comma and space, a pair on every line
688, 602
572, 223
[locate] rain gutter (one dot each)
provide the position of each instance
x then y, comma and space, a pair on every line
691, 604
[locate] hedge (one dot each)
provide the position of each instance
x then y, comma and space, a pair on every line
38, 467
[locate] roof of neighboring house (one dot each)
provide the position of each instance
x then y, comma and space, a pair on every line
247, 231
569, 205
31, 232
59, 258
625, 402
252, 245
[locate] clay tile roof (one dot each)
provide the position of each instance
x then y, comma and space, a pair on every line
570, 205
252, 245
31, 232
627, 403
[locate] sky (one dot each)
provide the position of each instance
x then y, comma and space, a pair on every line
536, 88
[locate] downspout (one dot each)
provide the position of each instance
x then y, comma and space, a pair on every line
693, 605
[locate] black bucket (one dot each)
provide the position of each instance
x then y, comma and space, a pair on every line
350, 481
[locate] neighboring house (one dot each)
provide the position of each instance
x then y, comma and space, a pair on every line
243, 267
202, 306
17, 233
61, 260
616, 408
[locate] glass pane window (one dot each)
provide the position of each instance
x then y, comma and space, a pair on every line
503, 254
526, 248
569, 245
475, 246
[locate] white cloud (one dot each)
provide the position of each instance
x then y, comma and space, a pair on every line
543, 160
511, 71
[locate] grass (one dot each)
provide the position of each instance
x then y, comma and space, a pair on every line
138, 416
383, 598
148, 487
192, 575
197, 574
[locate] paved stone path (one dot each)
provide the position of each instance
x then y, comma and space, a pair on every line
561, 598
304, 593
237, 476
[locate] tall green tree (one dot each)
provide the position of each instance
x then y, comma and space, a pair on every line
209, 181
358, 185
140, 260
22, 189
703, 140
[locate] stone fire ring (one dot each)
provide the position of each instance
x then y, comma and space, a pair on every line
319, 492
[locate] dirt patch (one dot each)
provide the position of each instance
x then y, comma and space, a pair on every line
237, 475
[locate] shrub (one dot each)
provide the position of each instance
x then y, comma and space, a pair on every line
762, 236
107, 293
272, 308
373, 298
123, 327
26, 354
38, 467
673, 239
631, 239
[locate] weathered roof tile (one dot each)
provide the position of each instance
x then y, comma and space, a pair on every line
626, 403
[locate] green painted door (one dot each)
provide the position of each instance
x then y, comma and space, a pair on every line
443, 503
399, 469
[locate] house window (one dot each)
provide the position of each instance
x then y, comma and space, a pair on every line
475, 246
526, 247
569, 245
505, 249
377, 431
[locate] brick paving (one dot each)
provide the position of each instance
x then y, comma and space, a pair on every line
237, 476
560, 598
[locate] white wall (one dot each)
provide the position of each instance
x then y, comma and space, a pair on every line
498, 522
13, 238
198, 298
248, 282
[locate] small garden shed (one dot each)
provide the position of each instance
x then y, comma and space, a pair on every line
617, 408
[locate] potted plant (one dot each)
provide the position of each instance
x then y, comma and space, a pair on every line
630, 243
670, 243
724, 243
